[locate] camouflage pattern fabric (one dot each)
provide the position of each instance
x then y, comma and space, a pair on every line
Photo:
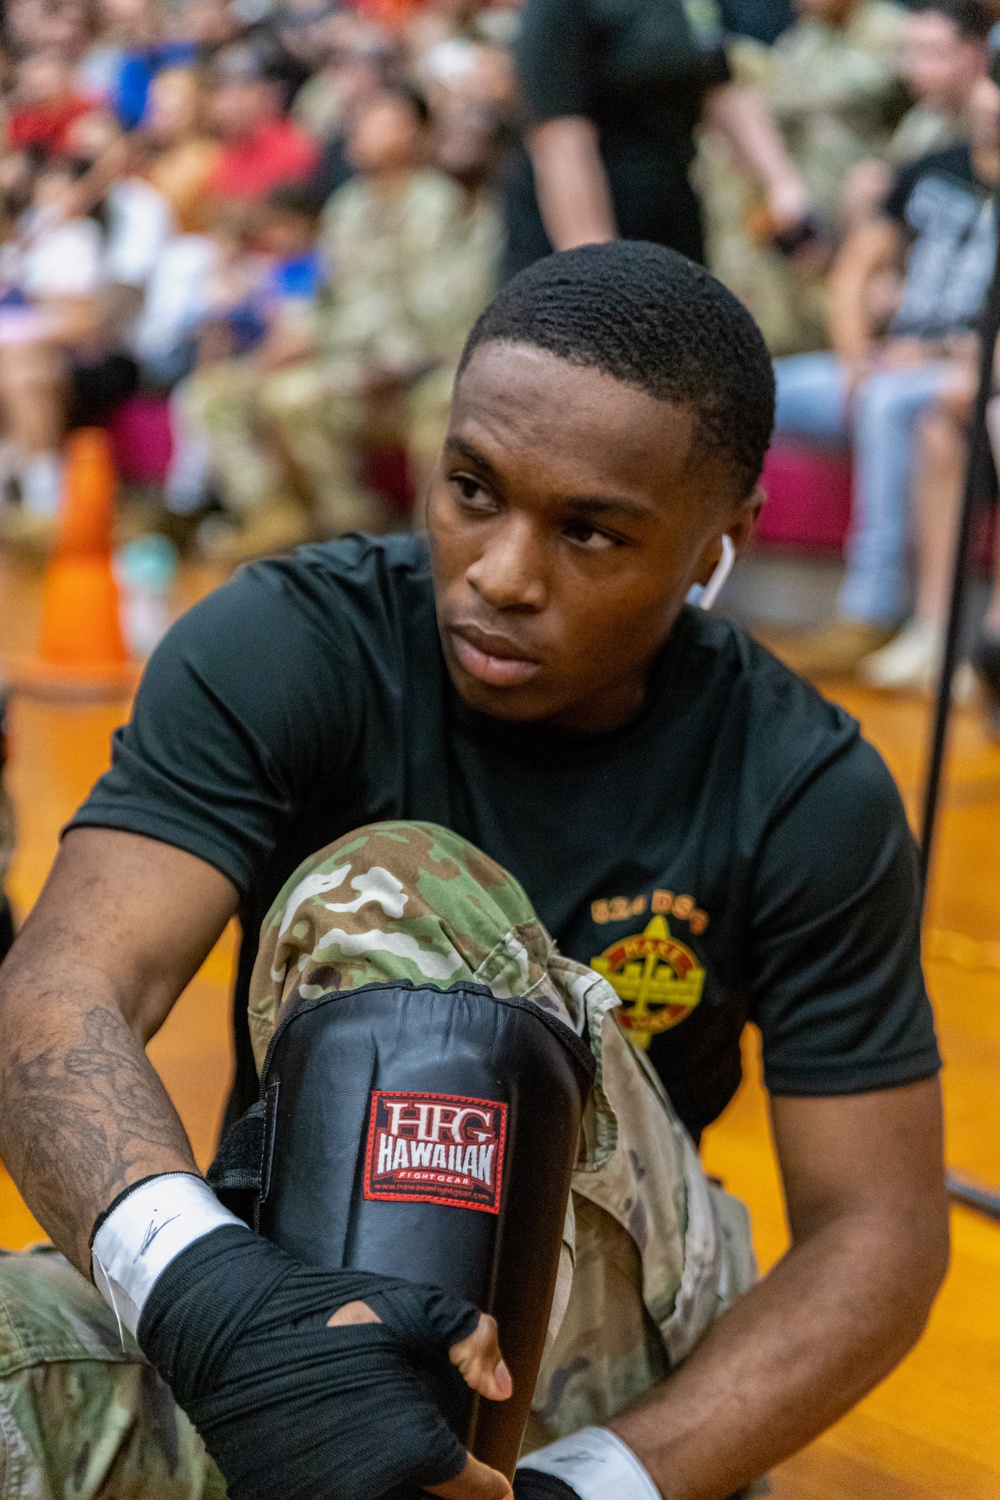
82, 1415
410, 273
786, 296
652, 1252
835, 93
303, 431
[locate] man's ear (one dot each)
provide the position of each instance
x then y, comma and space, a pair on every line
745, 516
739, 528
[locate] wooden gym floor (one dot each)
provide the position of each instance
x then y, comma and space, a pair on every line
932, 1430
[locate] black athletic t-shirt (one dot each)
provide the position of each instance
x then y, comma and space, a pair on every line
639, 70
737, 853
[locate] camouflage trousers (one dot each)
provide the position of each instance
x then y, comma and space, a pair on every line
304, 428
652, 1251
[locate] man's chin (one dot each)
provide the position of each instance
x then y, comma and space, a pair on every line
516, 705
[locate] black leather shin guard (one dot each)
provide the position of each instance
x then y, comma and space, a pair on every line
431, 1134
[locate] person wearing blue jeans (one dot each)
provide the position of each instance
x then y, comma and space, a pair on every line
815, 400
939, 225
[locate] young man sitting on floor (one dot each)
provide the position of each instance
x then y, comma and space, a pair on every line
687, 817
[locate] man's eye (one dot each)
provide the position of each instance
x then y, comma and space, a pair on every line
588, 537
470, 491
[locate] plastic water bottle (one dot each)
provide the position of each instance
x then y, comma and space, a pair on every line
145, 569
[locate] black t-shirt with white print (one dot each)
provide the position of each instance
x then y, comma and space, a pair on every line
949, 218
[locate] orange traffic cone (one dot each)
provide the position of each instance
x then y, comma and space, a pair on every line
81, 653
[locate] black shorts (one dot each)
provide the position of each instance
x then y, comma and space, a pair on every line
96, 389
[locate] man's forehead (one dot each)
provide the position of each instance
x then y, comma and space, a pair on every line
517, 405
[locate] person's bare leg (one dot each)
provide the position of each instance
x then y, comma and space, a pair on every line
33, 401
942, 447
32, 386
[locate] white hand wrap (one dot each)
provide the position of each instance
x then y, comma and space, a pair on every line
595, 1463
148, 1229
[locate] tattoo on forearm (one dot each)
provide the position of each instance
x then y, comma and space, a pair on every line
81, 1119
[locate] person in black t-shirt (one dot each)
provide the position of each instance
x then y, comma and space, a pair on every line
613, 90
686, 815
939, 222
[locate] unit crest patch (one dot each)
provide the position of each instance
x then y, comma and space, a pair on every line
658, 980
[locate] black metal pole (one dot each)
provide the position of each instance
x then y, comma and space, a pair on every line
976, 468
966, 1193
971, 1196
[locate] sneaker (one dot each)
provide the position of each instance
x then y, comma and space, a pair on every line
836, 649
911, 660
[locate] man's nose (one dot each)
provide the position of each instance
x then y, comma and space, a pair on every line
509, 572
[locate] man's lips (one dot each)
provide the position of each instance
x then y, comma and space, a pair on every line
492, 658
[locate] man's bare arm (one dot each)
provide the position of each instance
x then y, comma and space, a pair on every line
864, 1183
870, 249
745, 118
122, 925
574, 196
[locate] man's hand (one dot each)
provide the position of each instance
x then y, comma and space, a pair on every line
480, 1363
295, 1401
889, 354
745, 118
864, 1185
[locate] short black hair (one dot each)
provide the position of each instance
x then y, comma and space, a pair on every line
653, 320
972, 19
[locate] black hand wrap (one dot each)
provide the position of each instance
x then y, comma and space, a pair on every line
289, 1408
532, 1484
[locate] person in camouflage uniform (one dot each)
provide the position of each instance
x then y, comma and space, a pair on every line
412, 261
832, 81
652, 1251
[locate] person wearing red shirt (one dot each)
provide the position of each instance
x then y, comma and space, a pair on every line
261, 148
44, 105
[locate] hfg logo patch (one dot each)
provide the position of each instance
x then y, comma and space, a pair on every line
436, 1148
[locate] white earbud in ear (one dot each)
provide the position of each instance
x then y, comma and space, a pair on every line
705, 596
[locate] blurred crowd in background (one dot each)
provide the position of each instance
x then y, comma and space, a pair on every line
273, 222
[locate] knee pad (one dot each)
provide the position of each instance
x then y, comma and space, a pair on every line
431, 1134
